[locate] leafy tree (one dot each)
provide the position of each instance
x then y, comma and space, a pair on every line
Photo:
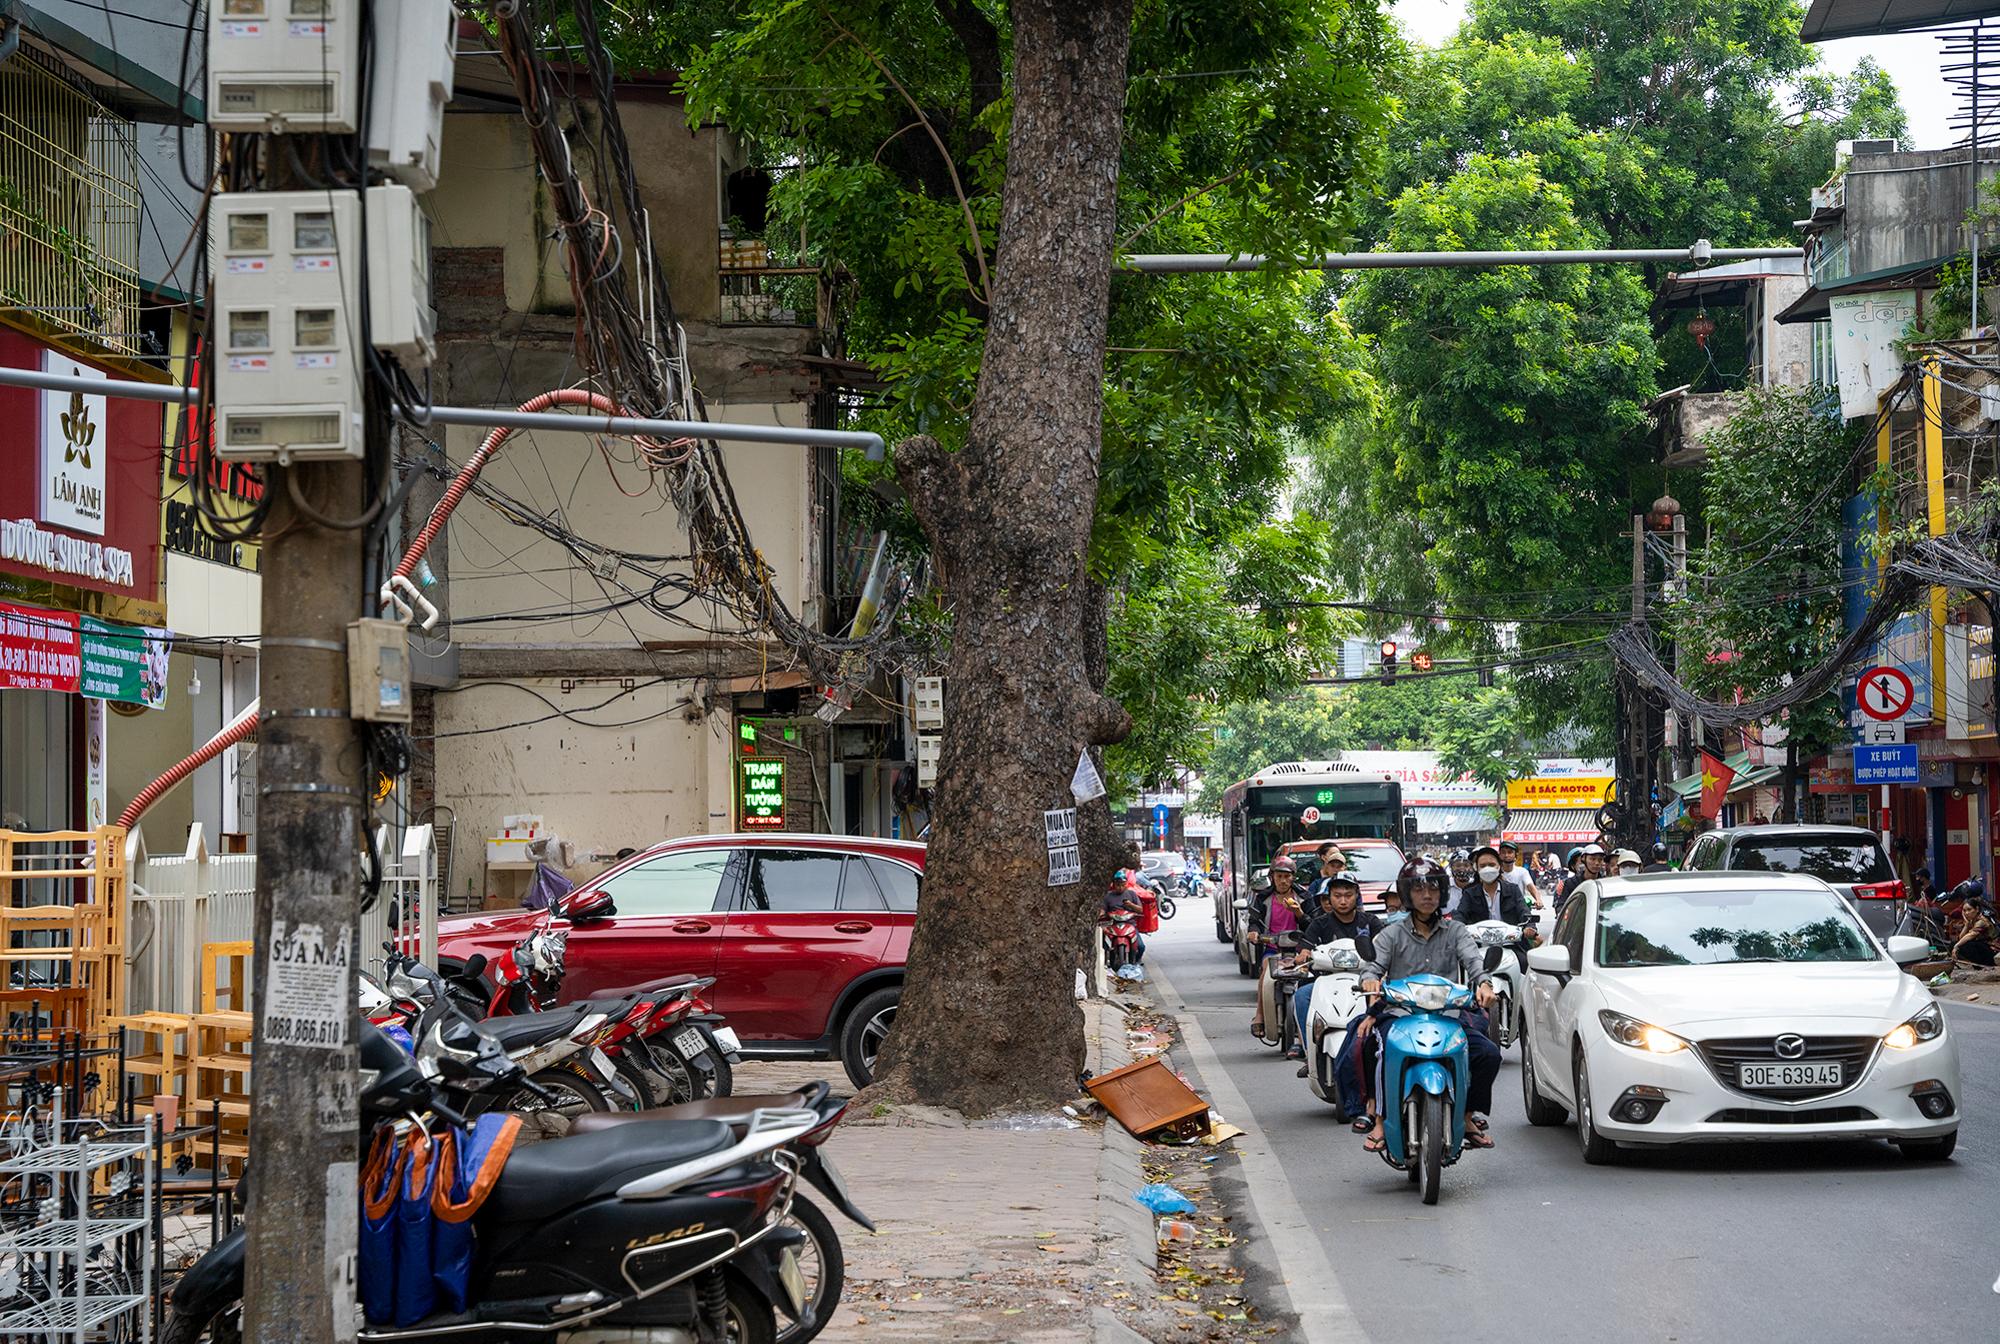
1481, 737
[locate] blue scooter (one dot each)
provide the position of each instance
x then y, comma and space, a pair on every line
1426, 1066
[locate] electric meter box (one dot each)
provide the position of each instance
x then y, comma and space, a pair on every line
401, 320
930, 750
413, 52
378, 671
285, 323
284, 65
929, 703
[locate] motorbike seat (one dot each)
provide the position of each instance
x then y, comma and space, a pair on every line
731, 1111
531, 1029
665, 982
542, 1179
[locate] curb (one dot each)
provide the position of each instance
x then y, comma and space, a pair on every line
1122, 1221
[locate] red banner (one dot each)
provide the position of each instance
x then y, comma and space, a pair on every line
39, 649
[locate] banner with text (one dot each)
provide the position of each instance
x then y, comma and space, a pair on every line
38, 649
126, 662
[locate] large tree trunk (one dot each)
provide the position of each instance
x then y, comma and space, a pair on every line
988, 1019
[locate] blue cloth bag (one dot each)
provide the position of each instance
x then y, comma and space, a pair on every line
416, 1292
376, 1263
468, 1166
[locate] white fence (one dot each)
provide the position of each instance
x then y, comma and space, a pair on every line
182, 901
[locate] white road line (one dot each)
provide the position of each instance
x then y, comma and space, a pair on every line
1317, 1300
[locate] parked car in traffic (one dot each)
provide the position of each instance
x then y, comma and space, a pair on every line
1850, 859
806, 936
1695, 1007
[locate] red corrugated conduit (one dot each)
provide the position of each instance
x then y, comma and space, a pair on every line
244, 725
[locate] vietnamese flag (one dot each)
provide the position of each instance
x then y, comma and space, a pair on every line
1715, 781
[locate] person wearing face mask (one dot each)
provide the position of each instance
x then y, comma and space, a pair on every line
1626, 863
1493, 897
1462, 880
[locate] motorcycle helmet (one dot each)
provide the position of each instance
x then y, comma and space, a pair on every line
1419, 872
1972, 889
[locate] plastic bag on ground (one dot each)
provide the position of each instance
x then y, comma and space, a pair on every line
1163, 1199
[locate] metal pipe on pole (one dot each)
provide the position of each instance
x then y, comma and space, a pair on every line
722, 431
1700, 254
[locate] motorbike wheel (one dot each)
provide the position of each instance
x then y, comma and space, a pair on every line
1221, 932
1167, 907
575, 1094
822, 1263
1430, 1146
645, 1084
1244, 965
225, 1327
752, 1319
1503, 1021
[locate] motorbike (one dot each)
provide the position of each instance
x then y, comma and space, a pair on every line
823, 1264
1274, 994
1504, 946
1335, 1002
1426, 1067
1121, 939
672, 1230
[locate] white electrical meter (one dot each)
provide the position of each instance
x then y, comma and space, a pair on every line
415, 46
287, 268
401, 320
283, 65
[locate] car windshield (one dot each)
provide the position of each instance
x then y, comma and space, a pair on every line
1713, 928
1374, 864
1828, 858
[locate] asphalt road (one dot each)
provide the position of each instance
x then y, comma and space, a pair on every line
1764, 1243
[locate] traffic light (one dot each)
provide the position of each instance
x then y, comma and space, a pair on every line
1421, 660
1388, 660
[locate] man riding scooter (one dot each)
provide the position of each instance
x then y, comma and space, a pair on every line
1340, 916
1429, 943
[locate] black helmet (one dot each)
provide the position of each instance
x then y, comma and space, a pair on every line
1972, 889
1659, 852
1419, 872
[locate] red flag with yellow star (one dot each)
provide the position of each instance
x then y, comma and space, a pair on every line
1715, 781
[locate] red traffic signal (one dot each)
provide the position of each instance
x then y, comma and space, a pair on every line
1421, 660
1388, 660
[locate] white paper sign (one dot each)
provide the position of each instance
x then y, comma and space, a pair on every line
309, 999
1065, 859
75, 441
1866, 328
1086, 783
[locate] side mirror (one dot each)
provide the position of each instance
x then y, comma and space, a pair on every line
1904, 949
582, 907
1549, 960
1240, 905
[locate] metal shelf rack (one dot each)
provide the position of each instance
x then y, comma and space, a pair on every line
83, 1268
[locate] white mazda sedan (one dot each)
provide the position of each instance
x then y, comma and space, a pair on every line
1687, 1007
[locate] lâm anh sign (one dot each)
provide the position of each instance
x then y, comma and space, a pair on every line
75, 445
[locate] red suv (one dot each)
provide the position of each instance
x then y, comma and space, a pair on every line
806, 936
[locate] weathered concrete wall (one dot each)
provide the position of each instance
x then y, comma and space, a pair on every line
1908, 206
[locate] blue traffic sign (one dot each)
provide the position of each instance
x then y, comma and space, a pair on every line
1160, 814
1885, 764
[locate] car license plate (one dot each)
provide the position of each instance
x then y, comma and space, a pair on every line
1789, 1075
690, 1043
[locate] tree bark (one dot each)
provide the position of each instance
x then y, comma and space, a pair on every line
988, 1018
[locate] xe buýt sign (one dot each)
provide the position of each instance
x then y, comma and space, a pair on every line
762, 790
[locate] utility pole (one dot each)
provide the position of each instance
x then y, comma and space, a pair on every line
1635, 787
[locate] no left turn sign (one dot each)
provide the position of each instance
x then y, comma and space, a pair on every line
1885, 693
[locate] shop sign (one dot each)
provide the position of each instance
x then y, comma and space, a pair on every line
74, 448
38, 649
24, 543
1866, 328
762, 792
125, 662
1968, 682
1582, 791
1832, 778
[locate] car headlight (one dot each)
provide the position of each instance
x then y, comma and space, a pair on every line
1927, 1025
1636, 1035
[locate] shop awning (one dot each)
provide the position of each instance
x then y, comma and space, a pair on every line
1552, 826
1451, 818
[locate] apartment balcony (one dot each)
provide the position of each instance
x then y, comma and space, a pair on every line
1682, 422
69, 212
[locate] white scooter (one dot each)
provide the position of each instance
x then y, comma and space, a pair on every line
1335, 1002
1502, 943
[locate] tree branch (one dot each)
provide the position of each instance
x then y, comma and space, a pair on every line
1191, 197
971, 224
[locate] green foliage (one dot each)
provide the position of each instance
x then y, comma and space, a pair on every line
1481, 736
1766, 591
1507, 452
1257, 126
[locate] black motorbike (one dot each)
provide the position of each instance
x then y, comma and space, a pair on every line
674, 1226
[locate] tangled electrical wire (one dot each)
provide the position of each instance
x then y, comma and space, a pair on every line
633, 345
1953, 560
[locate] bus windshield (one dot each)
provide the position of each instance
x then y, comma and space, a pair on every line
1275, 814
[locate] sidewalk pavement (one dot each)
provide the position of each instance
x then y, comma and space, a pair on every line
1022, 1231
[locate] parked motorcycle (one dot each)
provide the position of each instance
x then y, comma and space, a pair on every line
674, 1228
1426, 1067
1505, 947
822, 1263
1335, 1003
